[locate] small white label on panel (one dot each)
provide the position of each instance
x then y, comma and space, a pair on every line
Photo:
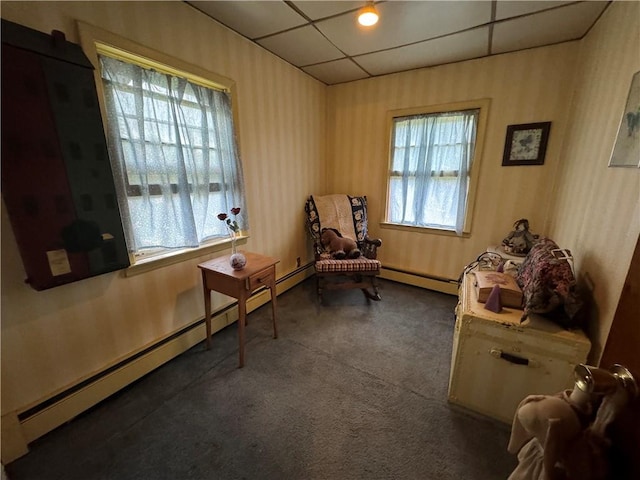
58, 262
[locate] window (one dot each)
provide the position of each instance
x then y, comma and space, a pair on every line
173, 153
432, 155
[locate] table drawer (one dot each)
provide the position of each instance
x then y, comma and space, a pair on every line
261, 279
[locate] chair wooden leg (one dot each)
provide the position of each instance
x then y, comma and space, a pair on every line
371, 296
366, 283
375, 295
319, 288
374, 284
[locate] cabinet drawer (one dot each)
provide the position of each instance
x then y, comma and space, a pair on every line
553, 341
261, 279
492, 377
497, 361
536, 334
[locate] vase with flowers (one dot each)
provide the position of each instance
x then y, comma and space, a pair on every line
237, 259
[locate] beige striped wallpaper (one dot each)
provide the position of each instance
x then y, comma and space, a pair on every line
524, 87
297, 137
574, 198
54, 338
597, 208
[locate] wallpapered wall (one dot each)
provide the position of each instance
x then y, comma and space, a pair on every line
574, 198
596, 208
298, 137
525, 87
54, 338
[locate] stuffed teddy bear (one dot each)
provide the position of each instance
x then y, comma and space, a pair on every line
340, 247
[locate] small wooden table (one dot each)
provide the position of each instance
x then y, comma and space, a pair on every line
218, 275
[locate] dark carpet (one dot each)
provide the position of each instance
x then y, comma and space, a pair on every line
350, 390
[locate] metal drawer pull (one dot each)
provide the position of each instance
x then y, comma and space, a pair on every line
509, 357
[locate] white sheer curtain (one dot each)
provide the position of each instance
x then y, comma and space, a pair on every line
429, 176
174, 156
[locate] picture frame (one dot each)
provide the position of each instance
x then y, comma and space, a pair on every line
526, 144
626, 149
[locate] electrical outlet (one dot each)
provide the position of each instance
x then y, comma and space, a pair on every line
298, 262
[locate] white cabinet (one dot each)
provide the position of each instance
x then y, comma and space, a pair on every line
497, 361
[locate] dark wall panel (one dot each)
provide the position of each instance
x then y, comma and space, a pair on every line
57, 183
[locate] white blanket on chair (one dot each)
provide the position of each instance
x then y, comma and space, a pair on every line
335, 212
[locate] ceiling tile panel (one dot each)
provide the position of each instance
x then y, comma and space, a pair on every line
338, 71
507, 9
453, 48
546, 28
302, 46
410, 34
251, 18
316, 10
404, 22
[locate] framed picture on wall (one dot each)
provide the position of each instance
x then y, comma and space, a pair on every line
626, 150
526, 144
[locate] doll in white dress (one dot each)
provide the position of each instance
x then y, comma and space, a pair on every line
563, 436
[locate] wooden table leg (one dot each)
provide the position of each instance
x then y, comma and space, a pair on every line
207, 309
272, 290
242, 316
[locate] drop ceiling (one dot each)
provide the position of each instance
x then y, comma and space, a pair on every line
324, 39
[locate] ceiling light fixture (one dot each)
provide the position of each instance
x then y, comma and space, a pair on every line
368, 15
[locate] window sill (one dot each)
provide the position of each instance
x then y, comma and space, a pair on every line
427, 230
177, 256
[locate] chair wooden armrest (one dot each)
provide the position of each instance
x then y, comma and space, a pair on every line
369, 247
317, 250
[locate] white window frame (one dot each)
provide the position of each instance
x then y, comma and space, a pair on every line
95, 40
483, 106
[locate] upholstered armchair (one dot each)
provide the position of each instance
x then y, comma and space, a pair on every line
348, 215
